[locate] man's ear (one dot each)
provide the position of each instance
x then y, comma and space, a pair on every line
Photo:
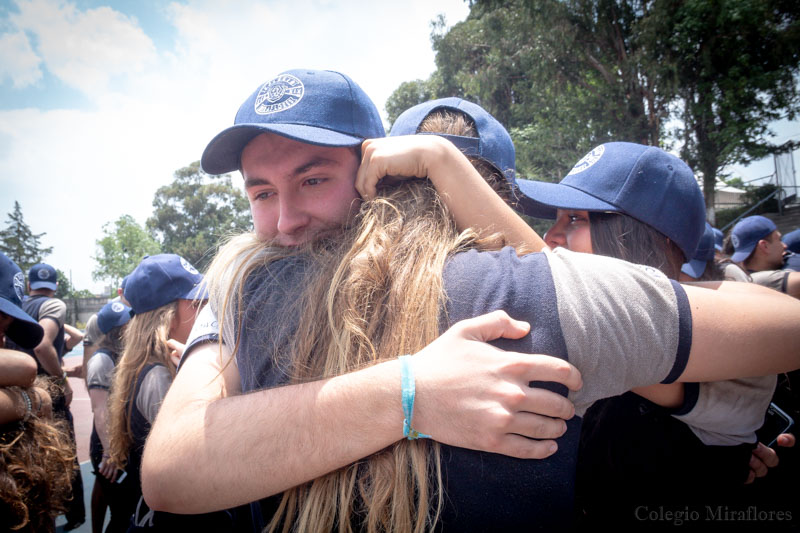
762, 245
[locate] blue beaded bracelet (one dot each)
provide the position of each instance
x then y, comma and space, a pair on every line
409, 391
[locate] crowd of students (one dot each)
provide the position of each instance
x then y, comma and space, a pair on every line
392, 348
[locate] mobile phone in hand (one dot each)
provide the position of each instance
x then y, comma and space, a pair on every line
776, 421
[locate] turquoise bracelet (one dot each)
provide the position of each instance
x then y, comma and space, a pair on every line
409, 391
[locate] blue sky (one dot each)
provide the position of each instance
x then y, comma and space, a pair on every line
100, 102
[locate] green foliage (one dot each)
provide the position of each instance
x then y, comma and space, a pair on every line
195, 211
409, 94
20, 244
122, 247
566, 75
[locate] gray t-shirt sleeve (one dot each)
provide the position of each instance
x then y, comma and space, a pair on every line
728, 413
93, 335
205, 330
624, 325
54, 309
733, 272
99, 371
774, 279
154, 387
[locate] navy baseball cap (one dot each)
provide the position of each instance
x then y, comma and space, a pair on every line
113, 315
43, 276
746, 234
643, 182
161, 279
792, 241
319, 107
705, 253
24, 330
493, 143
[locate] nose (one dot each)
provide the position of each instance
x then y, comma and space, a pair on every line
555, 236
292, 217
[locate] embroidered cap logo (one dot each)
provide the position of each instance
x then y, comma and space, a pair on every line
588, 160
279, 94
19, 285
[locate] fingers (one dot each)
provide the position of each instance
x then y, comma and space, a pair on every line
525, 448
757, 467
545, 402
535, 426
767, 456
786, 440
491, 326
549, 368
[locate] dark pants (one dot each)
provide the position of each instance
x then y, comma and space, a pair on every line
76, 509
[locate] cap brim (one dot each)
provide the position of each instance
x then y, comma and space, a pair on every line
24, 330
694, 268
541, 199
740, 255
223, 152
199, 292
44, 285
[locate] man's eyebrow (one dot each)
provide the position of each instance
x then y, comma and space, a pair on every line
250, 182
317, 161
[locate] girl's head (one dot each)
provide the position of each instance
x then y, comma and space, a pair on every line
111, 321
644, 183
484, 141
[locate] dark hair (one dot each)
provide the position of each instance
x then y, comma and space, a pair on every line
621, 236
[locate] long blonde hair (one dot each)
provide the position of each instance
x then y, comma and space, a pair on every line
371, 293
145, 339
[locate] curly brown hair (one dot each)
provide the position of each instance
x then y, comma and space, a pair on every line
36, 463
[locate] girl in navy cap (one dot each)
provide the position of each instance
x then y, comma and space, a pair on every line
165, 293
111, 321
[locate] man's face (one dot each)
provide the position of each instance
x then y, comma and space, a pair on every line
298, 191
774, 249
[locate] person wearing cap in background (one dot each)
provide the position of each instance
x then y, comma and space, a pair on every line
37, 457
17, 326
165, 293
758, 248
51, 313
111, 321
791, 257
702, 266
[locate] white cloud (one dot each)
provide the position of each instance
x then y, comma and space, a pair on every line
85, 49
18, 61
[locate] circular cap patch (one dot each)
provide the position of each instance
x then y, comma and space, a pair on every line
735, 240
188, 266
588, 160
43, 274
117, 307
279, 94
19, 285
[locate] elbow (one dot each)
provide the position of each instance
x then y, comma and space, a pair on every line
156, 489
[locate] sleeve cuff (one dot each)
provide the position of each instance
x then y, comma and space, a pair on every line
684, 334
202, 339
691, 392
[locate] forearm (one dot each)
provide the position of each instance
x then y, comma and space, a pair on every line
279, 437
16, 368
741, 330
48, 358
75, 337
99, 399
474, 204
